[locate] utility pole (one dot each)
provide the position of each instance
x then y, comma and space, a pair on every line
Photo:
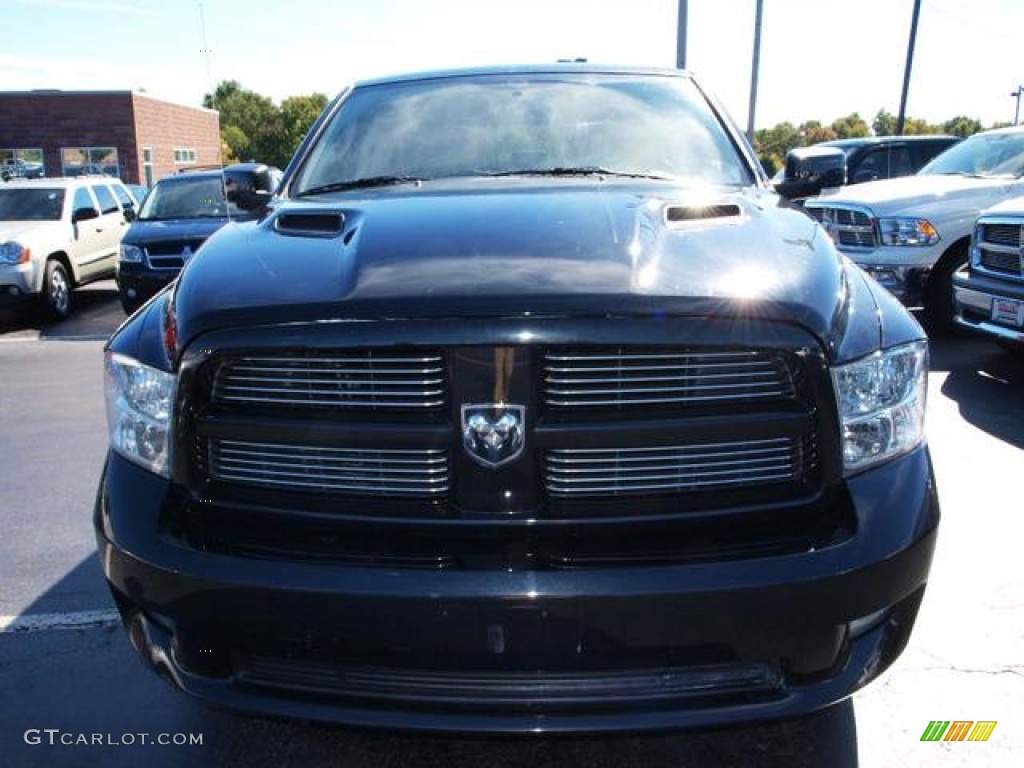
681, 36
754, 71
1016, 112
906, 72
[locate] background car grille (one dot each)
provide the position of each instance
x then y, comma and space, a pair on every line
168, 254
581, 379
330, 470
850, 227
368, 379
999, 248
700, 467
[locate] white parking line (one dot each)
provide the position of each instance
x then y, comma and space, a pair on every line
40, 337
38, 622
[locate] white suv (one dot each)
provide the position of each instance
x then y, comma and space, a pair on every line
56, 234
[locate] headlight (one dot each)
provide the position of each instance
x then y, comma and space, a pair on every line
881, 405
901, 231
131, 253
139, 400
14, 253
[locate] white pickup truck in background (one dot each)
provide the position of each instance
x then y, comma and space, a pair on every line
913, 233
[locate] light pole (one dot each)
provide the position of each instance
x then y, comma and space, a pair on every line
906, 72
681, 36
754, 67
1016, 112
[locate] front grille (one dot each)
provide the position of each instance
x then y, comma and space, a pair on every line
999, 248
849, 227
368, 379
509, 689
170, 254
317, 469
1005, 263
619, 377
673, 469
336, 453
1002, 234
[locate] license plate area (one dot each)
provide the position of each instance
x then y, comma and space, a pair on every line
1008, 312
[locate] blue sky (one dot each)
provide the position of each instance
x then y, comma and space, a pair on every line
820, 58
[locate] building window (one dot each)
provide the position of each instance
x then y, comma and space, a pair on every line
21, 163
147, 165
184, 157
77, 161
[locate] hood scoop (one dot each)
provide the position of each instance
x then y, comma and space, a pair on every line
310, 223
691, 215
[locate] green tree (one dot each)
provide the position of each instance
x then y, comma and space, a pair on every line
961, 126
233, 144
772, 144
884, 123
851, 127
813, 132
251, 124
297, 115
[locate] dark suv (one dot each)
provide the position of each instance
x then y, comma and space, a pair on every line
809, 170
524, 405
177, 216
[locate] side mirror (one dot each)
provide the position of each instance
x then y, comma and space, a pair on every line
861, 176
249, 185
129, 214
84, 214
810, 170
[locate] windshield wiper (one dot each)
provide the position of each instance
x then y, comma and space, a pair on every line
583, 170
369, 181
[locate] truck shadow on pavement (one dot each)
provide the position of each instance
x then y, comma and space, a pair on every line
95, 314
89, 681
987, 384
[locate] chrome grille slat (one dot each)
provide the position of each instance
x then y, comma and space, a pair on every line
1004, 263
637, 378
1002, 234
363, 379
850, 227
368, 472
706, 466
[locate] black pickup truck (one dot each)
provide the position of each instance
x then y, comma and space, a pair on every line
525, 405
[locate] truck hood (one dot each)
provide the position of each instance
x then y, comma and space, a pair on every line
1012, 207
911, 195
510, 247
21, 231
143, 231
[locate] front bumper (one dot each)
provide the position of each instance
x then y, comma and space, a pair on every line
905, 282
18, 284
507, 650
138, 283
974, 296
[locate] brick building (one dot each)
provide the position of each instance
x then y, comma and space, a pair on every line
120, 133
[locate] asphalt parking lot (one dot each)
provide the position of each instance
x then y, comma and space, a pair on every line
67, 671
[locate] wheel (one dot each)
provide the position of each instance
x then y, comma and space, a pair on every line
938, 294
56, 291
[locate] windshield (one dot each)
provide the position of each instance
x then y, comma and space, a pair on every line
31, 204
188, 199
991, 154
494, 125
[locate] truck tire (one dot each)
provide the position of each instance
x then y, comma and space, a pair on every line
56, 291
938, 294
